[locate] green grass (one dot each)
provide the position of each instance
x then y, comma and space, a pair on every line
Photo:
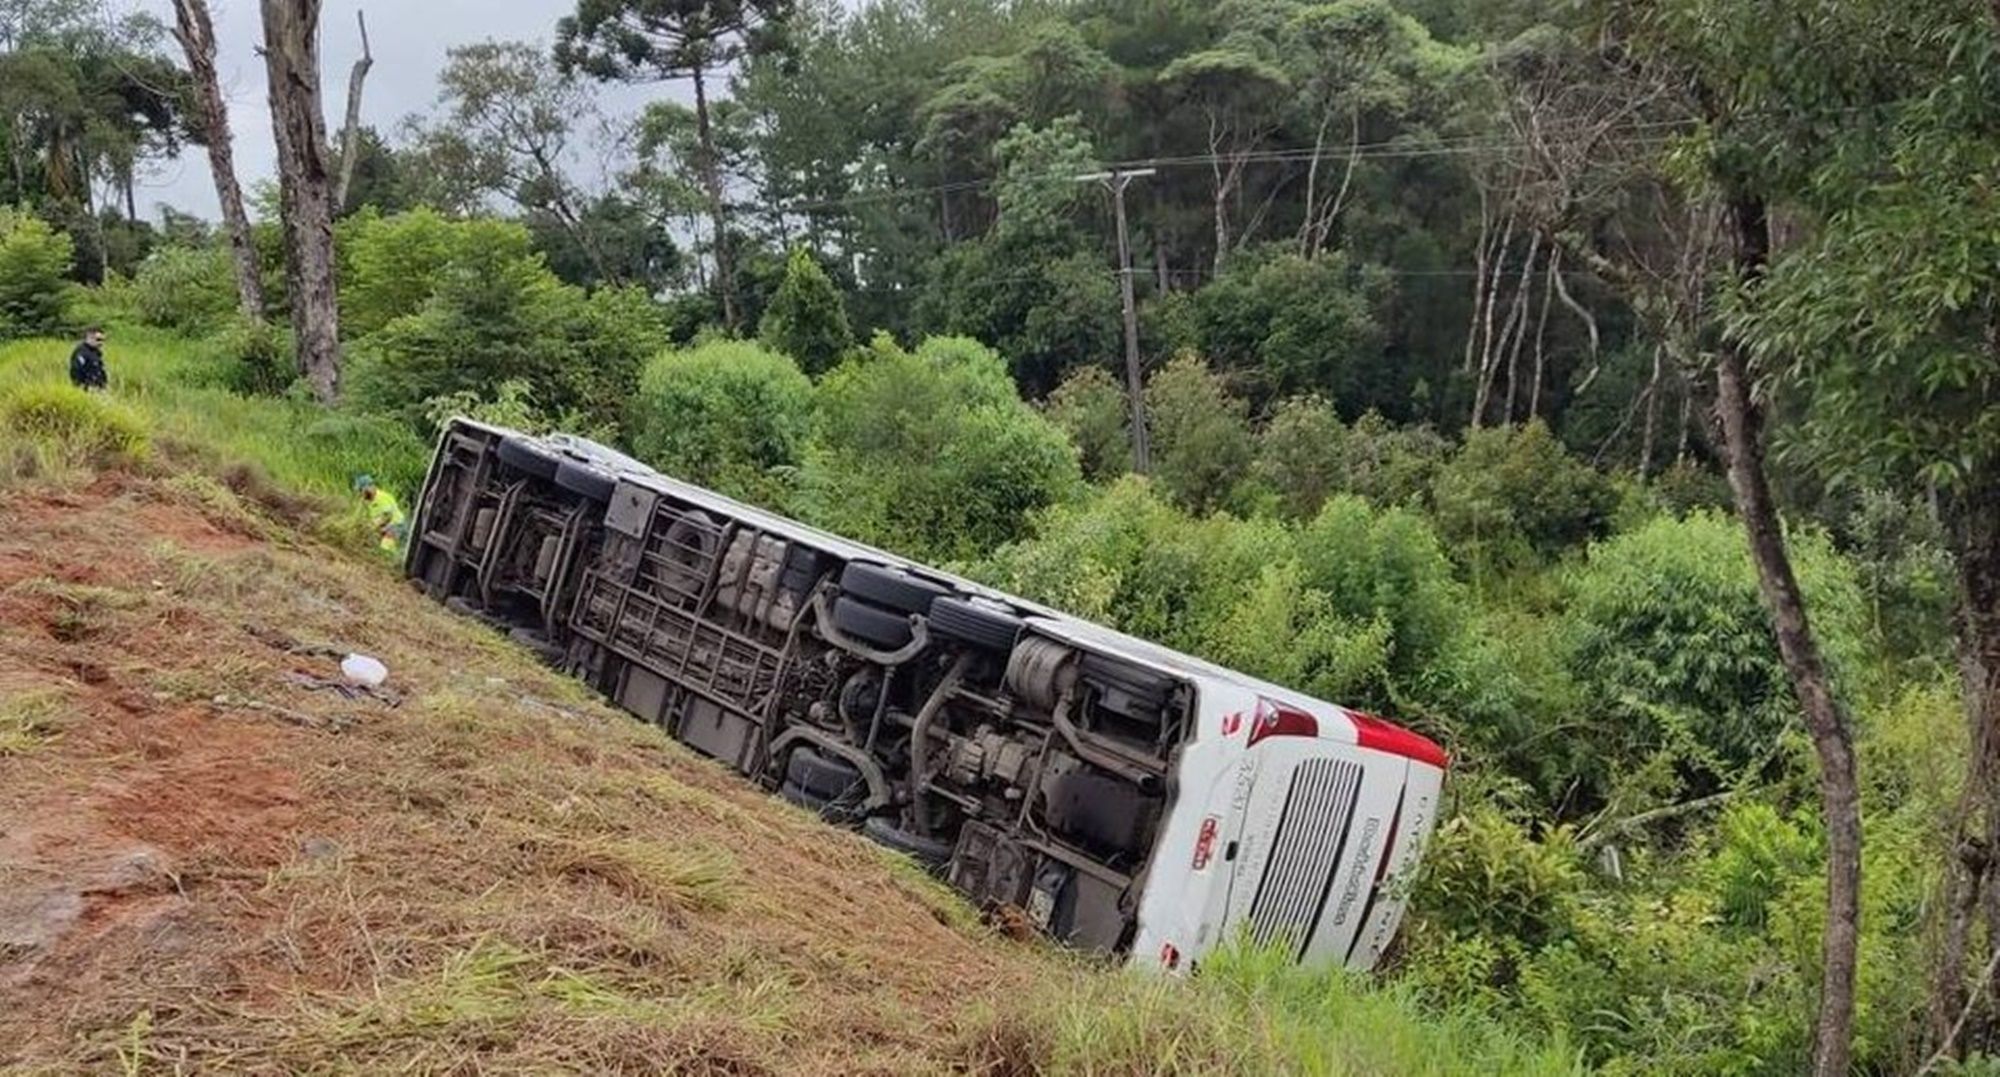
1255, 1012
179, 388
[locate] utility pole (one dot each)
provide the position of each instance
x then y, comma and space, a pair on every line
1135, 381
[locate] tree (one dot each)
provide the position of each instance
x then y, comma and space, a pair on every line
350, 128
725, 414
1882, 328
806, 319
1091, 408
1289, 325
1730, 87
34, 266
1302, 454
1201, 434
196, 33
650, 40
1237, 86
305, 186
931, 452
511, 117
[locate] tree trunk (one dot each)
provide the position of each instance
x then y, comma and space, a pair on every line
1832, 740
350, 130
1972, 520
196, 33
305, 187
711, 180
1542, 329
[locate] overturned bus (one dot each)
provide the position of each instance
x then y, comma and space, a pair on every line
1120, 796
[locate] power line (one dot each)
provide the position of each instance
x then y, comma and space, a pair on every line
1397, 149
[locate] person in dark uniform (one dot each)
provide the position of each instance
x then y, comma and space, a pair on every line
86, 363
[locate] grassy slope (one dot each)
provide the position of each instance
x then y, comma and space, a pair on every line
203, 863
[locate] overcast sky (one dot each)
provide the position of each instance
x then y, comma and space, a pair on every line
409, 39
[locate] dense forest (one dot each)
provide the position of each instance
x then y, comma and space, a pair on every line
1609, 389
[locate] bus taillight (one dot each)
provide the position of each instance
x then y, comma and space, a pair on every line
1277, 720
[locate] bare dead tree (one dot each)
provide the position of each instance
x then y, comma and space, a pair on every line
1576, 132
195, 31
350, 130
305, 187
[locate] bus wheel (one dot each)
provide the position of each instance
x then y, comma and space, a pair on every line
926, 851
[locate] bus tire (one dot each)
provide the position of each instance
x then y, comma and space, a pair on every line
976, 623
889, 588
585, 480
929, 852
527, 457
828, 779
887, 629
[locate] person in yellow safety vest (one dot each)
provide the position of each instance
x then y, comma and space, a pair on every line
383, 511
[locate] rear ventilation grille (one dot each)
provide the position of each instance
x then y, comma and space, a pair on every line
1312, 835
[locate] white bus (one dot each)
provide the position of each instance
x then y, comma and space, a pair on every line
1117, 795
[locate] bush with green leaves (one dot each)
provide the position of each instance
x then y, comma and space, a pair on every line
1092, 408
726, 414
1129, 558
1512, 494
1668, 636
1200, 442
186, 289
1351, 607
35, 290
262, 357
1291, 324
1302, 454
390, 266
807, 319
931, 452
478, 308
1390, 464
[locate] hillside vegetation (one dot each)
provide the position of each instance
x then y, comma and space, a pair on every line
1609, 391
211, 861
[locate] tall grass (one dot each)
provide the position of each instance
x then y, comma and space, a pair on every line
181, 389
1251, 1011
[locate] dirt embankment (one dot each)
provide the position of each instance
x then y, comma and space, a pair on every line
211, 858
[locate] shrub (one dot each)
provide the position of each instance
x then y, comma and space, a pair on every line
725, 414
475, 307
391, 265
1302, 454
186, 289
1512, 494
1201, 442
1667, 633
263, 360
931, 452
1292, 324
81, 426
1392, 465
1387, 564
806, 319
512, 405
1092, 409
35, 291
612, 332
1486, 875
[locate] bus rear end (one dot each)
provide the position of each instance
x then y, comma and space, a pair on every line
1298, 826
